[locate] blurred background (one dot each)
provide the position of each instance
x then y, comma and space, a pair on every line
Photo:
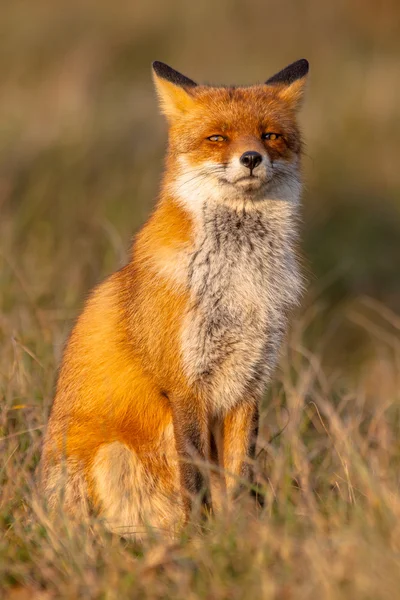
82, 144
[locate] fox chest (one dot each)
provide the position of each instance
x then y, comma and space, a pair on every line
239, 283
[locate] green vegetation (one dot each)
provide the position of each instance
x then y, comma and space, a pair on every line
81, 151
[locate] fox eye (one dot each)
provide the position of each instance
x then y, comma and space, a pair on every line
271, 136
217, 138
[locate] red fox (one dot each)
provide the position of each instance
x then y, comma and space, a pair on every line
166, 365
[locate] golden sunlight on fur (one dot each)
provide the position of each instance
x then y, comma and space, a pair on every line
164, 370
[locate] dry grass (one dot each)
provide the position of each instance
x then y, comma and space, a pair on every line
331, 525
80, 158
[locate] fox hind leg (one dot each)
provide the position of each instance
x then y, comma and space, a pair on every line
131, 496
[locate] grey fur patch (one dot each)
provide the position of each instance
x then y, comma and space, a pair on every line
244, 279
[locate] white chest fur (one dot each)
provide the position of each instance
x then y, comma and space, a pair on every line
243, 279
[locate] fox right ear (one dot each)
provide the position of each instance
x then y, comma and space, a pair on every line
173, 90
290, 82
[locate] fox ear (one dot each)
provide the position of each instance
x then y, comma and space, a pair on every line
172, 89
291, 81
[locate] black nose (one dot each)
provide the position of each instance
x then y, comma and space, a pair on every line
251, 159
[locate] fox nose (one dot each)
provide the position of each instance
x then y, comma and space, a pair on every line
251, 159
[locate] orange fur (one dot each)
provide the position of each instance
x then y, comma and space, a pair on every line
123, 386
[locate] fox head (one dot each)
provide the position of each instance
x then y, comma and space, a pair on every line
233, 143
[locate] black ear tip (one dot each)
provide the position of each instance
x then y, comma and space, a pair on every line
289, 74
159, 67
168, 73
303, 65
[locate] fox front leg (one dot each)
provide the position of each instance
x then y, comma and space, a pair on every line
236, 444
192, 443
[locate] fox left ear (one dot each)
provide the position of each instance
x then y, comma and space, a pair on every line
173, 89
290, 82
